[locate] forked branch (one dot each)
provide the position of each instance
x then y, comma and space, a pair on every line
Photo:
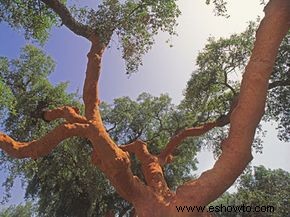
151, 168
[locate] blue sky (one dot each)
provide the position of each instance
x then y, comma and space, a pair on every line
164, 70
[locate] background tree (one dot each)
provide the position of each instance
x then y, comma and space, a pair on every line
259, 187
114, 160
26, 210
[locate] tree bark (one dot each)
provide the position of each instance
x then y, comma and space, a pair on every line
154, 198
236, 148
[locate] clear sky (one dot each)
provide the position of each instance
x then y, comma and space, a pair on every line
165, 69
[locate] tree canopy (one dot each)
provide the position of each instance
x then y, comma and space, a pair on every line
259, 186
26, 210
138, 154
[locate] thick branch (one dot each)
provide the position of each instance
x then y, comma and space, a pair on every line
90, 91
166, 155
70, 114
151, 168
43, 146
236, 152
67, 19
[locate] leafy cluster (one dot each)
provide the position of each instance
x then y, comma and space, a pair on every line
25, 210
259, 187
31, 16
215, 81
278, 102
153, 120
220, 7
135, 23
26, 80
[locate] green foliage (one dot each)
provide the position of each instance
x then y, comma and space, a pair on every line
32, 16
6, 97
278, 102
259, 187
211, 88
64, 183
154, 120
220, 7
134, 22
214, 84
67, 184
26, 210
26, 79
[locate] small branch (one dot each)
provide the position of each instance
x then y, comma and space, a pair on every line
166, 155
151, 168
67, 19
141, 4
226, 80
225, 119
282, 83
70, 114
43, 146
112, 128
231, 88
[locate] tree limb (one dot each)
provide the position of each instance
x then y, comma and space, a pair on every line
93, 71
67, 19
42, 146
166, 155
236, 152
226, 82
70, 114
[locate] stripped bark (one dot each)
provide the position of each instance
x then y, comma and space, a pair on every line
154, 198
236, 152
43, 146
166, 155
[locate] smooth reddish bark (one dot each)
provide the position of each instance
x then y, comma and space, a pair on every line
154, 198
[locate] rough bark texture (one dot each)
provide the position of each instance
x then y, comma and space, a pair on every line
154, 198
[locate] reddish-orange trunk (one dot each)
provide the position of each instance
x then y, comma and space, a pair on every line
154, 198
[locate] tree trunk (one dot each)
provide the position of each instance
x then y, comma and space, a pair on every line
153, 198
